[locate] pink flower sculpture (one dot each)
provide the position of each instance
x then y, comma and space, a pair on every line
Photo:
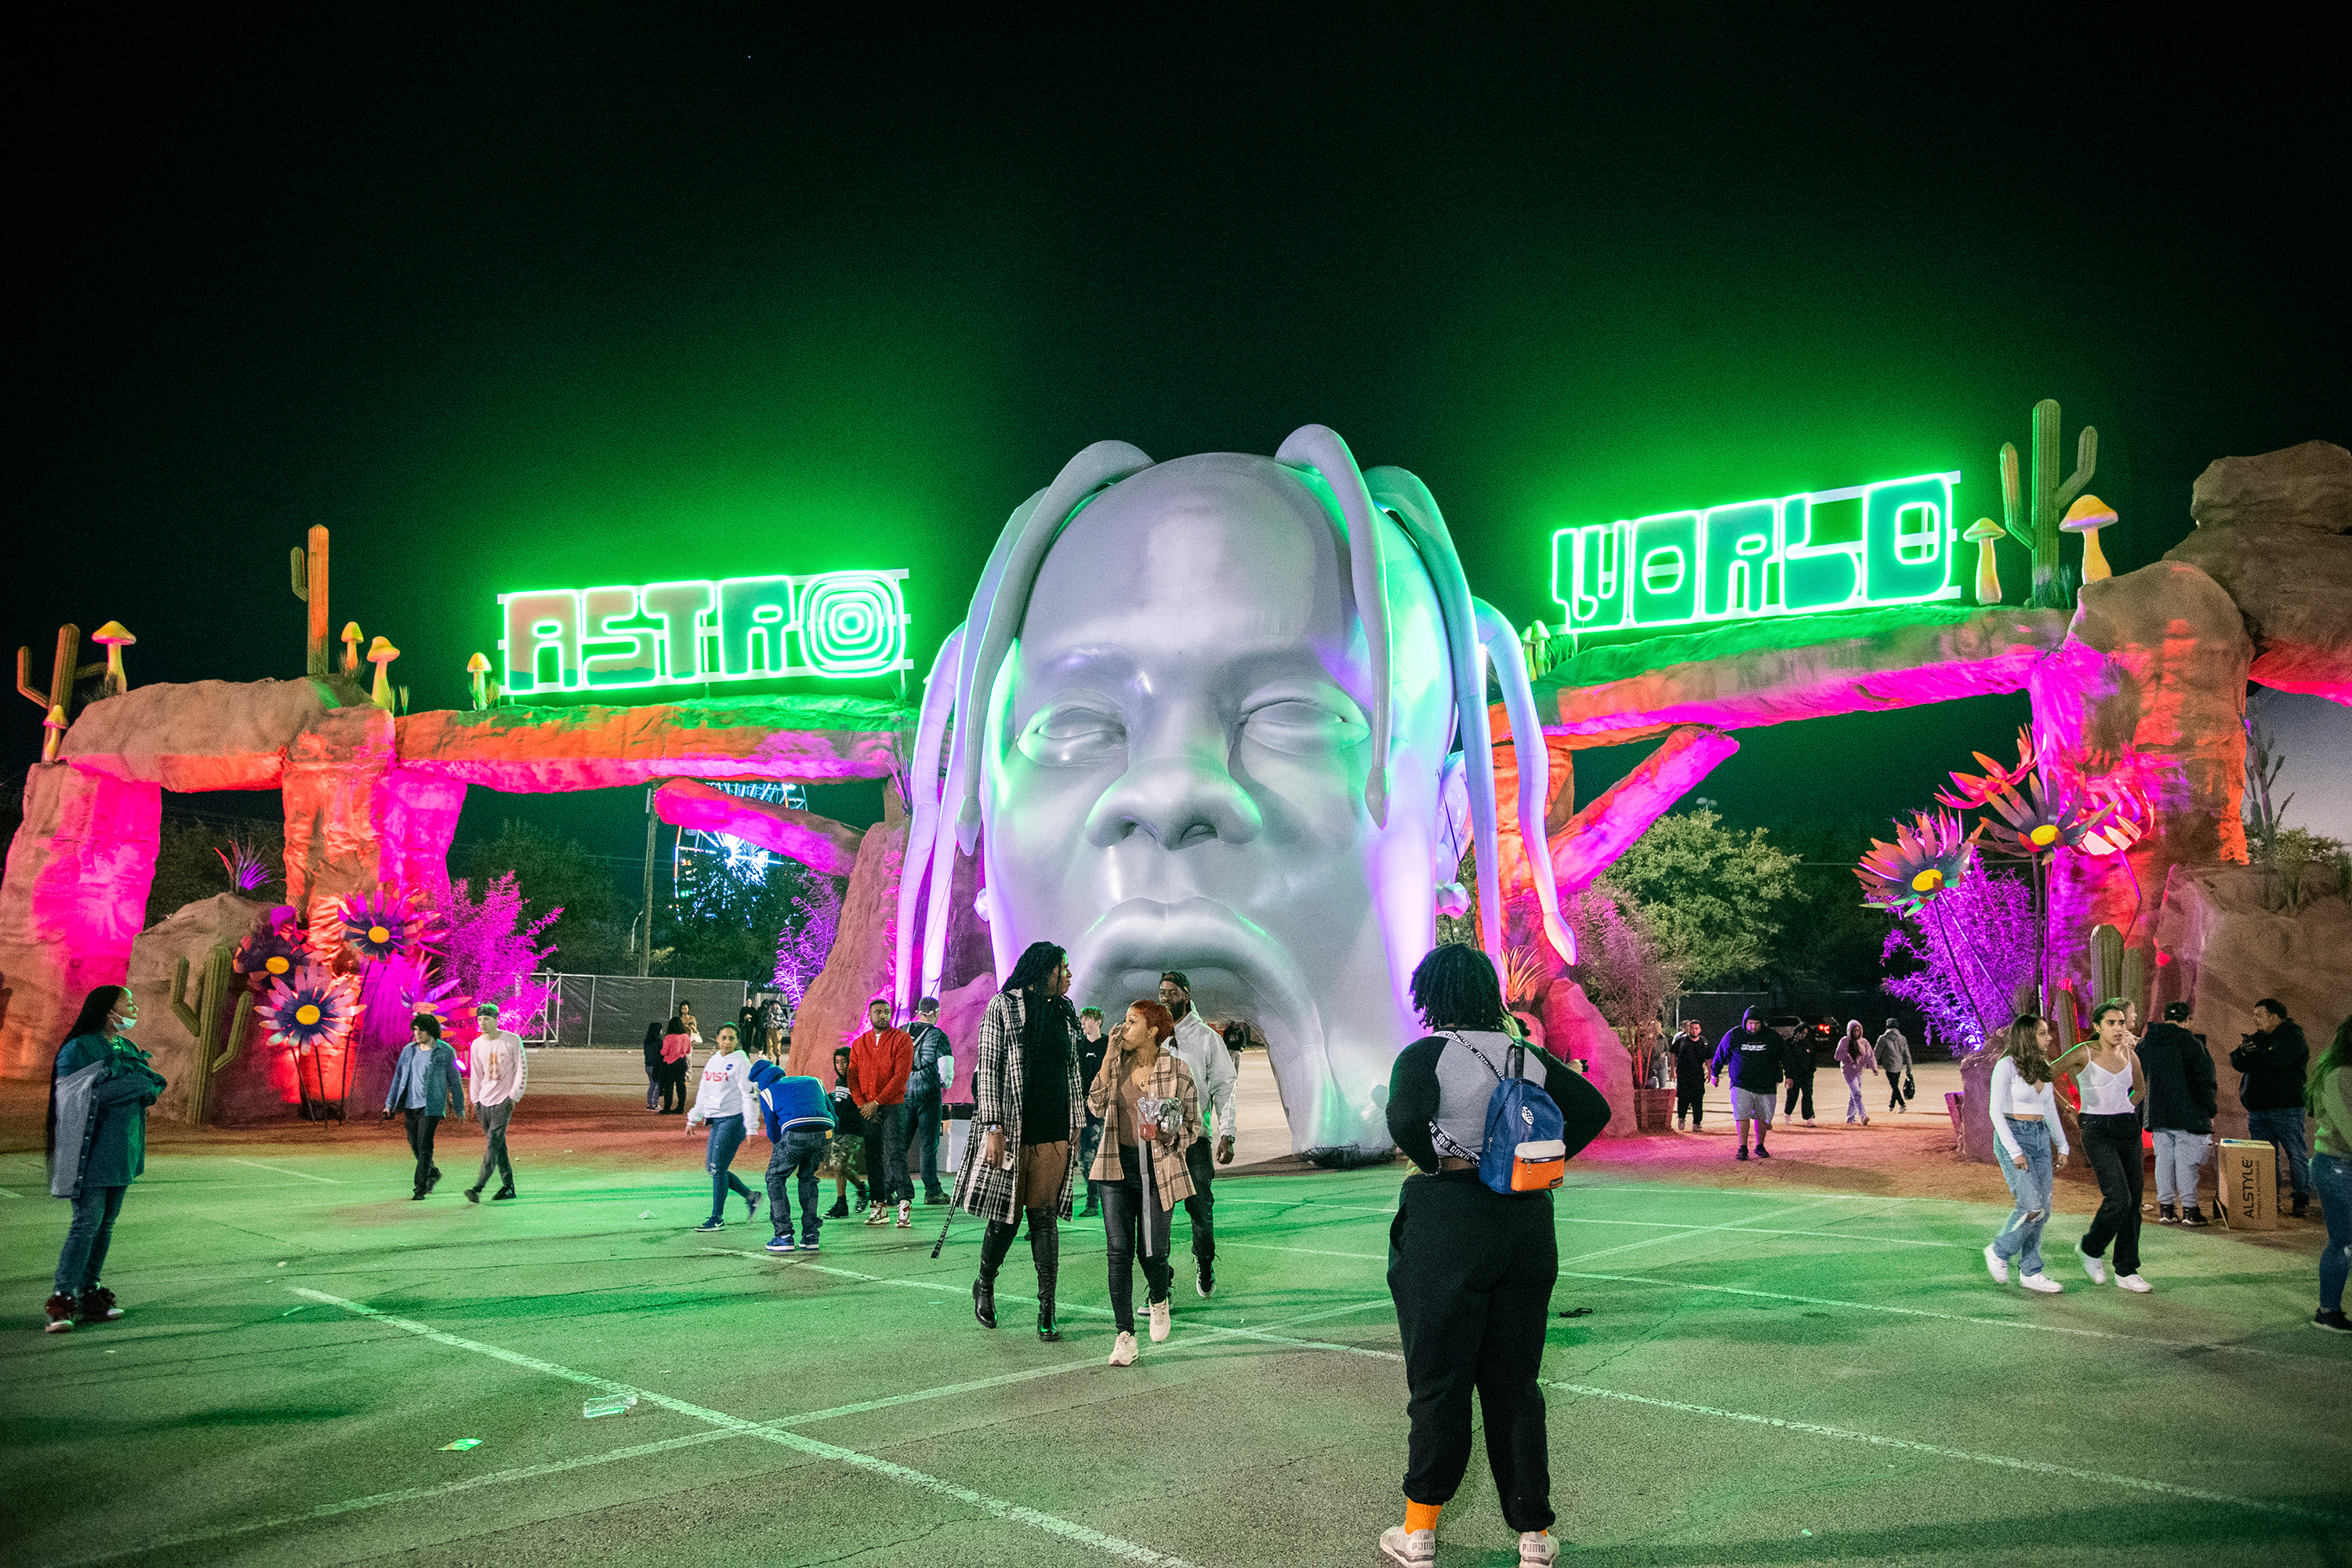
2040, 819
320, 1007
389, 925
1926, 857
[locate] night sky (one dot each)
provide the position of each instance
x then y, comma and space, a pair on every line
584, 296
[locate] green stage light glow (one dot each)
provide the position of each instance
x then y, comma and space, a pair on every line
1887, 543
841, 626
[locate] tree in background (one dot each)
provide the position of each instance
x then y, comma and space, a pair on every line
491, 951
1829, 941
1716, 896
593, 926
1621, 962
1968, 971
731, 915
811, 921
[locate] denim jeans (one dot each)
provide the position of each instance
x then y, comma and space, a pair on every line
2180, 1164
83, 1257
2021, 1237
2283, 1130
2332, 1175
794, 1162
923, 1139
726, 1136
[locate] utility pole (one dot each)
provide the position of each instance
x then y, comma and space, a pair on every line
646, 953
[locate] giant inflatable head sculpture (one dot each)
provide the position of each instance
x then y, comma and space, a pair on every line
1226, 714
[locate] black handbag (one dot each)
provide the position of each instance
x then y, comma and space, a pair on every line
1910, 1085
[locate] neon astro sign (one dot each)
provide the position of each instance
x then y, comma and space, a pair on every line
843, 625
1887, 544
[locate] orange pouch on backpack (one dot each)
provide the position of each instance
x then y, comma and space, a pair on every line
1538, 1167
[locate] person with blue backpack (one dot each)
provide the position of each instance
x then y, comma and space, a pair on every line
1490, 1124
797, 1115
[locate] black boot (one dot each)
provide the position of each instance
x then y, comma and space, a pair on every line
1046, 1251
994, 1243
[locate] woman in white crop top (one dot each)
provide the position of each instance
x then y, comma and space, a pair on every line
2106, 1075
2025, 1120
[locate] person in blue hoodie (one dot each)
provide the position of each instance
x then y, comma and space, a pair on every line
797, 1115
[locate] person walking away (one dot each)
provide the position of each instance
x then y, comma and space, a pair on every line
1856, 1056
776, 1019
1090, 1057
847, 1156
1139, 1078
1752, 1054
1691, 1053
678, 1045
500, 1072
1472, 1270
2025, 1120
99, 1089
424, 1083
880, 1061
655, 1068
796, 1112
2272, 1059
1894, 1060
723, 1100
2111, 1087
1028, 1110
926, 1092
1796, 1061
1203, 1052
2180, 1103
2328, 1097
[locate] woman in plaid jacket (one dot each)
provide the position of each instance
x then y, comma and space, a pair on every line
1136, 1068
1028, 1110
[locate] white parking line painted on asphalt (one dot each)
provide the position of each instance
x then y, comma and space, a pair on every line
1702, 1230
1111, 1545
283, 1171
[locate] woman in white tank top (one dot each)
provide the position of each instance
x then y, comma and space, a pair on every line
2106, 1074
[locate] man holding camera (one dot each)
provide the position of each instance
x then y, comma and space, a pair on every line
2273, 1058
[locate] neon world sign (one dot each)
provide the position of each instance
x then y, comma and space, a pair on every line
1888, 544
843, 626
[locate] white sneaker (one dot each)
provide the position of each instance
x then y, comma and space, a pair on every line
1158, 1322
2042, 1283
1996, 1266
906, 1213
2134, 1283
873, 1214
2093, 1266
1538, 1548
1409, 1548
1123, 1351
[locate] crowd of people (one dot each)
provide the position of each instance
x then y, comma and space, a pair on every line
1143, 1111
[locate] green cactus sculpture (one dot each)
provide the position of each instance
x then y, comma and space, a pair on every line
2134, 986
218, 1029
65, 671
311, 587
2107, 950
2036, 527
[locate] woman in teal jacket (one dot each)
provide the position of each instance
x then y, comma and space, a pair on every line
103, 1140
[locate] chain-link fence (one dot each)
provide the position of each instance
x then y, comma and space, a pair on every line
613, 1010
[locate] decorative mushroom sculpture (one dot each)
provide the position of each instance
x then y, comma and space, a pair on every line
2086, 517
479, 668
55, 725
116, 637
352, 638
1988, 570
381, 653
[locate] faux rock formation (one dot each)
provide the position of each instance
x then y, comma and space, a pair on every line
2275, 531
817, 842
857, 971
1598, 835
2308, 486
203, 735
79, 871
1573, 1028
241, 1090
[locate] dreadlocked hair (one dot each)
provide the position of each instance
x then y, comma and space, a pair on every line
1038, 960
1454, 988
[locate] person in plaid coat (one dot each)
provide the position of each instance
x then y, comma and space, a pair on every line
1028, 1111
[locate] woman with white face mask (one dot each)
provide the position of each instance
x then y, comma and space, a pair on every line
99, 1089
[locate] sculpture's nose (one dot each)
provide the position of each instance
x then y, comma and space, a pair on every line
1178, 794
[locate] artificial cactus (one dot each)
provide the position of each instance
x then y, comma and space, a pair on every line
2107, 949
310, 588
218, 1028
2033, 521
2134, 976
64, 671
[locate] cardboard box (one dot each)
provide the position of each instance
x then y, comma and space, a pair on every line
2246, 1183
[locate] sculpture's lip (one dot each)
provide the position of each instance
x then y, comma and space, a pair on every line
1147, 936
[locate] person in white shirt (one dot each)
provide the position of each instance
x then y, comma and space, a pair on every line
724, 1100
496, 1074
1203, 1051
2024, 1107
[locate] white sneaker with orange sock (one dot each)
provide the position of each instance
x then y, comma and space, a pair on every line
1409, 1548
1538, 1548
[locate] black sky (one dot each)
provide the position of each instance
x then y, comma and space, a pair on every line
564, 296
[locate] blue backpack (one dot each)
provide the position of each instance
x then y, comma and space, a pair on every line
1524, 1152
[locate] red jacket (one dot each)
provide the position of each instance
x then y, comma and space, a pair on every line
879, 1067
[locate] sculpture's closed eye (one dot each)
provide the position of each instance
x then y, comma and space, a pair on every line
1069, 733
1302, 728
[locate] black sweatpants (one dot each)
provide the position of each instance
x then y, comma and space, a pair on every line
2112, 1145
1200, 1208
421, 1128
1471, 1273
1690, 1097
1800, 1088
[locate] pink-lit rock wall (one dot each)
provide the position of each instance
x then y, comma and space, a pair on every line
858, 969
530, 750
1574, 1027
79, 871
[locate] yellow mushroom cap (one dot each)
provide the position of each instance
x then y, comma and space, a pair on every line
476, 665
2087, 515
1983, 528
57, 719
382, 649
352, 632
113, 633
